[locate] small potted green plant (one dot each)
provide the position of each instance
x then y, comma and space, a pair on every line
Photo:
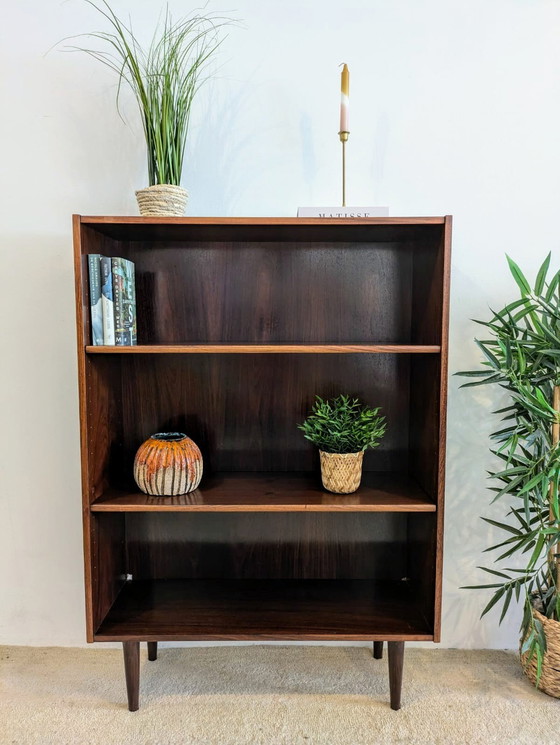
342, 428
164, 79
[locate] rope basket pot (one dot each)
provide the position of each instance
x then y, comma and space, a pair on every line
341, 473
162, 200
550, 675
167, 464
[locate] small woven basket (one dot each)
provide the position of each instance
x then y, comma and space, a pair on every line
341, 473
550, 675
162, 200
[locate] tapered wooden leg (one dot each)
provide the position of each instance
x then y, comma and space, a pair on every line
152, 651
378, 650
131, 651
396, 658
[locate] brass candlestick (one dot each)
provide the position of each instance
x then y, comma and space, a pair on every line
343, 138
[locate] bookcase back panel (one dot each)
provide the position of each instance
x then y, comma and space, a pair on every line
243, 410
273, 292
275, 546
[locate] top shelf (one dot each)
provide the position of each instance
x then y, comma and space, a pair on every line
262, 229
255, 348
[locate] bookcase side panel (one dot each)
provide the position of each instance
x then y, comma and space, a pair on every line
108, 556
428, 253
100, 430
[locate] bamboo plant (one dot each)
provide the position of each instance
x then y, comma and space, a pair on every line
164, 78
522, 355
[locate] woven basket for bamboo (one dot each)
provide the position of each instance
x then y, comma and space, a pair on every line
162, 200
550, 676
341, 473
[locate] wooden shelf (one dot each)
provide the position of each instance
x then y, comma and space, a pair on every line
262, 229
174, 610
278, 492
255, 348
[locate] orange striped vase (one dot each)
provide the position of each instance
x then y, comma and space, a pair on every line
167, 464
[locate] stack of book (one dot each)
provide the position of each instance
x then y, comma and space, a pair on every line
112, 294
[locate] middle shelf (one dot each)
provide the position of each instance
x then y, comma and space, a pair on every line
266, 348
278, 492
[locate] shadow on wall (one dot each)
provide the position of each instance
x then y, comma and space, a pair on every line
470, 423
228, 165
217, 165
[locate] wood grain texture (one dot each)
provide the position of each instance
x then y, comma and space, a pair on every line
108, 563
396, 661
260, 545
243, 410
241, 292
446, 290
262, 228
278, 492
255, 348
83, 337
311, 610
131, 654
241, 322
99, 391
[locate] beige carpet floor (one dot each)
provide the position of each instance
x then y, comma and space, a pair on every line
270, 695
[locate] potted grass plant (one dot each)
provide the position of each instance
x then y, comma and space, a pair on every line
164, 79
522, 356
342, 428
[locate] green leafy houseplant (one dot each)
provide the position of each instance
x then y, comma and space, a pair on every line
342, 428
164, 79
343, 425
522, 356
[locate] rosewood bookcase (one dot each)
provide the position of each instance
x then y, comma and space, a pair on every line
241, 322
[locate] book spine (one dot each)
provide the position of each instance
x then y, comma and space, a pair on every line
130, 301
118, 301
134, 319
96, 311
107, 301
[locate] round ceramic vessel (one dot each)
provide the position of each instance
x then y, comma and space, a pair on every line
168, 464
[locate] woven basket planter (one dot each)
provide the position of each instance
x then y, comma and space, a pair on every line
162, 200
550, 676
168, 464
341, 473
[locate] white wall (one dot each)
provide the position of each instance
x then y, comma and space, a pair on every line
454, 109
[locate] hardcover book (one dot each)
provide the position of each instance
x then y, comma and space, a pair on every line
124, 298
96, 310
107, 301
343, 212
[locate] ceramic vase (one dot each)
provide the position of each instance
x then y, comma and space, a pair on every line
167, 464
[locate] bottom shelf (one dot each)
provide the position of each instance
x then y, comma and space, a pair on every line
312, 610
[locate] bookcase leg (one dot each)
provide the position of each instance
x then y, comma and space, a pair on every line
396, 658
131, 651
152, 651
378, 650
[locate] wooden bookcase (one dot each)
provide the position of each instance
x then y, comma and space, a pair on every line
241, 321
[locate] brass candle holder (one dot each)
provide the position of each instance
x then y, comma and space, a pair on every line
344, 139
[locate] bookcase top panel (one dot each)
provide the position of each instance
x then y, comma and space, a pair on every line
262, 228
